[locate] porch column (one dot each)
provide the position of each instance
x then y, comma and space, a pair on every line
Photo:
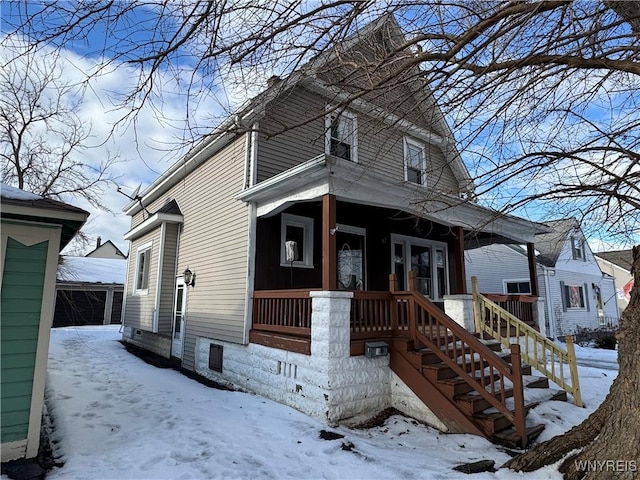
329, 254
458, 254
533, 271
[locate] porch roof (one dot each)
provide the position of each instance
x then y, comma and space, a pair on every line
355, 183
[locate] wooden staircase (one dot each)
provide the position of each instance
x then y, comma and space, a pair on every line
468, 382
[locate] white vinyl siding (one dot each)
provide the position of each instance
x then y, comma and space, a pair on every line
380, 146
213, 244
138, 311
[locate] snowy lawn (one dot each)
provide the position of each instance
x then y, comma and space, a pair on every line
115, 416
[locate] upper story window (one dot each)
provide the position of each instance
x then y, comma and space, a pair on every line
577, 248
296, 241
342, 138
143, 266
415, 162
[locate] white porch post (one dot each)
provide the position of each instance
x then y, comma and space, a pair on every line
460, 308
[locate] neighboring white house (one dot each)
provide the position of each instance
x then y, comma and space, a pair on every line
575, 291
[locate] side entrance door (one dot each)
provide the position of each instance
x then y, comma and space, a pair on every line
179, 312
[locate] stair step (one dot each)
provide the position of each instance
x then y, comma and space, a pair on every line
440, 371
510, 439
495, 422
471, 403
539, 382
559, 396
429, 357
457, 386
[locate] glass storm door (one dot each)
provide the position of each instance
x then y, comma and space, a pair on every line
177, 335
351, 265
428, 259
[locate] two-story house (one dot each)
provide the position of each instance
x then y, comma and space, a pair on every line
263, 258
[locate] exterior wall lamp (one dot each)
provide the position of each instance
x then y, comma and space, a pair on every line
189, 277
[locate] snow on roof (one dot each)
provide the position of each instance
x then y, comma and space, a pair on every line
7, 191
92, 270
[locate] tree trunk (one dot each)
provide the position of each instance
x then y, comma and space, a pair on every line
610, 438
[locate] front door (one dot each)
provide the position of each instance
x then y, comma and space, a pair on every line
179, 312
427, 258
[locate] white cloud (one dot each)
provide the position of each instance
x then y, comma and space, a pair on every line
146, 144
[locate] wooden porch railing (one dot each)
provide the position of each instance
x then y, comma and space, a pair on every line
465, 354
371, 315
520, 306
540, 352
282, 311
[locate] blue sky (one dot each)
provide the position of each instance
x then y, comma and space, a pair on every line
145, 145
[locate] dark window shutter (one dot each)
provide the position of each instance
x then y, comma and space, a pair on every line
563, 295
586, 297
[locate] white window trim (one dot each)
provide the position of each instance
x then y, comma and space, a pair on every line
144, 247
434, 244
584, 298
581, 249
410, 141
515, 280
307, 225
331, 110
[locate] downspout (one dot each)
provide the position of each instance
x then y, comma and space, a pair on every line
550, 324
253, 166
124, 292
252, 158
156, 308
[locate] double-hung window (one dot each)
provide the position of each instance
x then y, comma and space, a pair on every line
143, 266
342, 138
577, 248
415, 162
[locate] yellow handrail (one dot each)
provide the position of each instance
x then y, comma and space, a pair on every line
540, 352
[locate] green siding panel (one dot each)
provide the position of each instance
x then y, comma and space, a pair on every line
20, 309
19, 389
22, 359
15, 407
13, 433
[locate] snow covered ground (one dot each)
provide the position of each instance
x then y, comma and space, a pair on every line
116, 416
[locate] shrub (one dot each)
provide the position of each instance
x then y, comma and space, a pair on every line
607, 341
602, 337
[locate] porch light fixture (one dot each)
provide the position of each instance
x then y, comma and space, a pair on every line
376, 349
189, 277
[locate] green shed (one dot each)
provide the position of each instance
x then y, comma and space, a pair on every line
33, 230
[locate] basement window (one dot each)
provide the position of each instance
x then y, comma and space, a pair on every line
215, 358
